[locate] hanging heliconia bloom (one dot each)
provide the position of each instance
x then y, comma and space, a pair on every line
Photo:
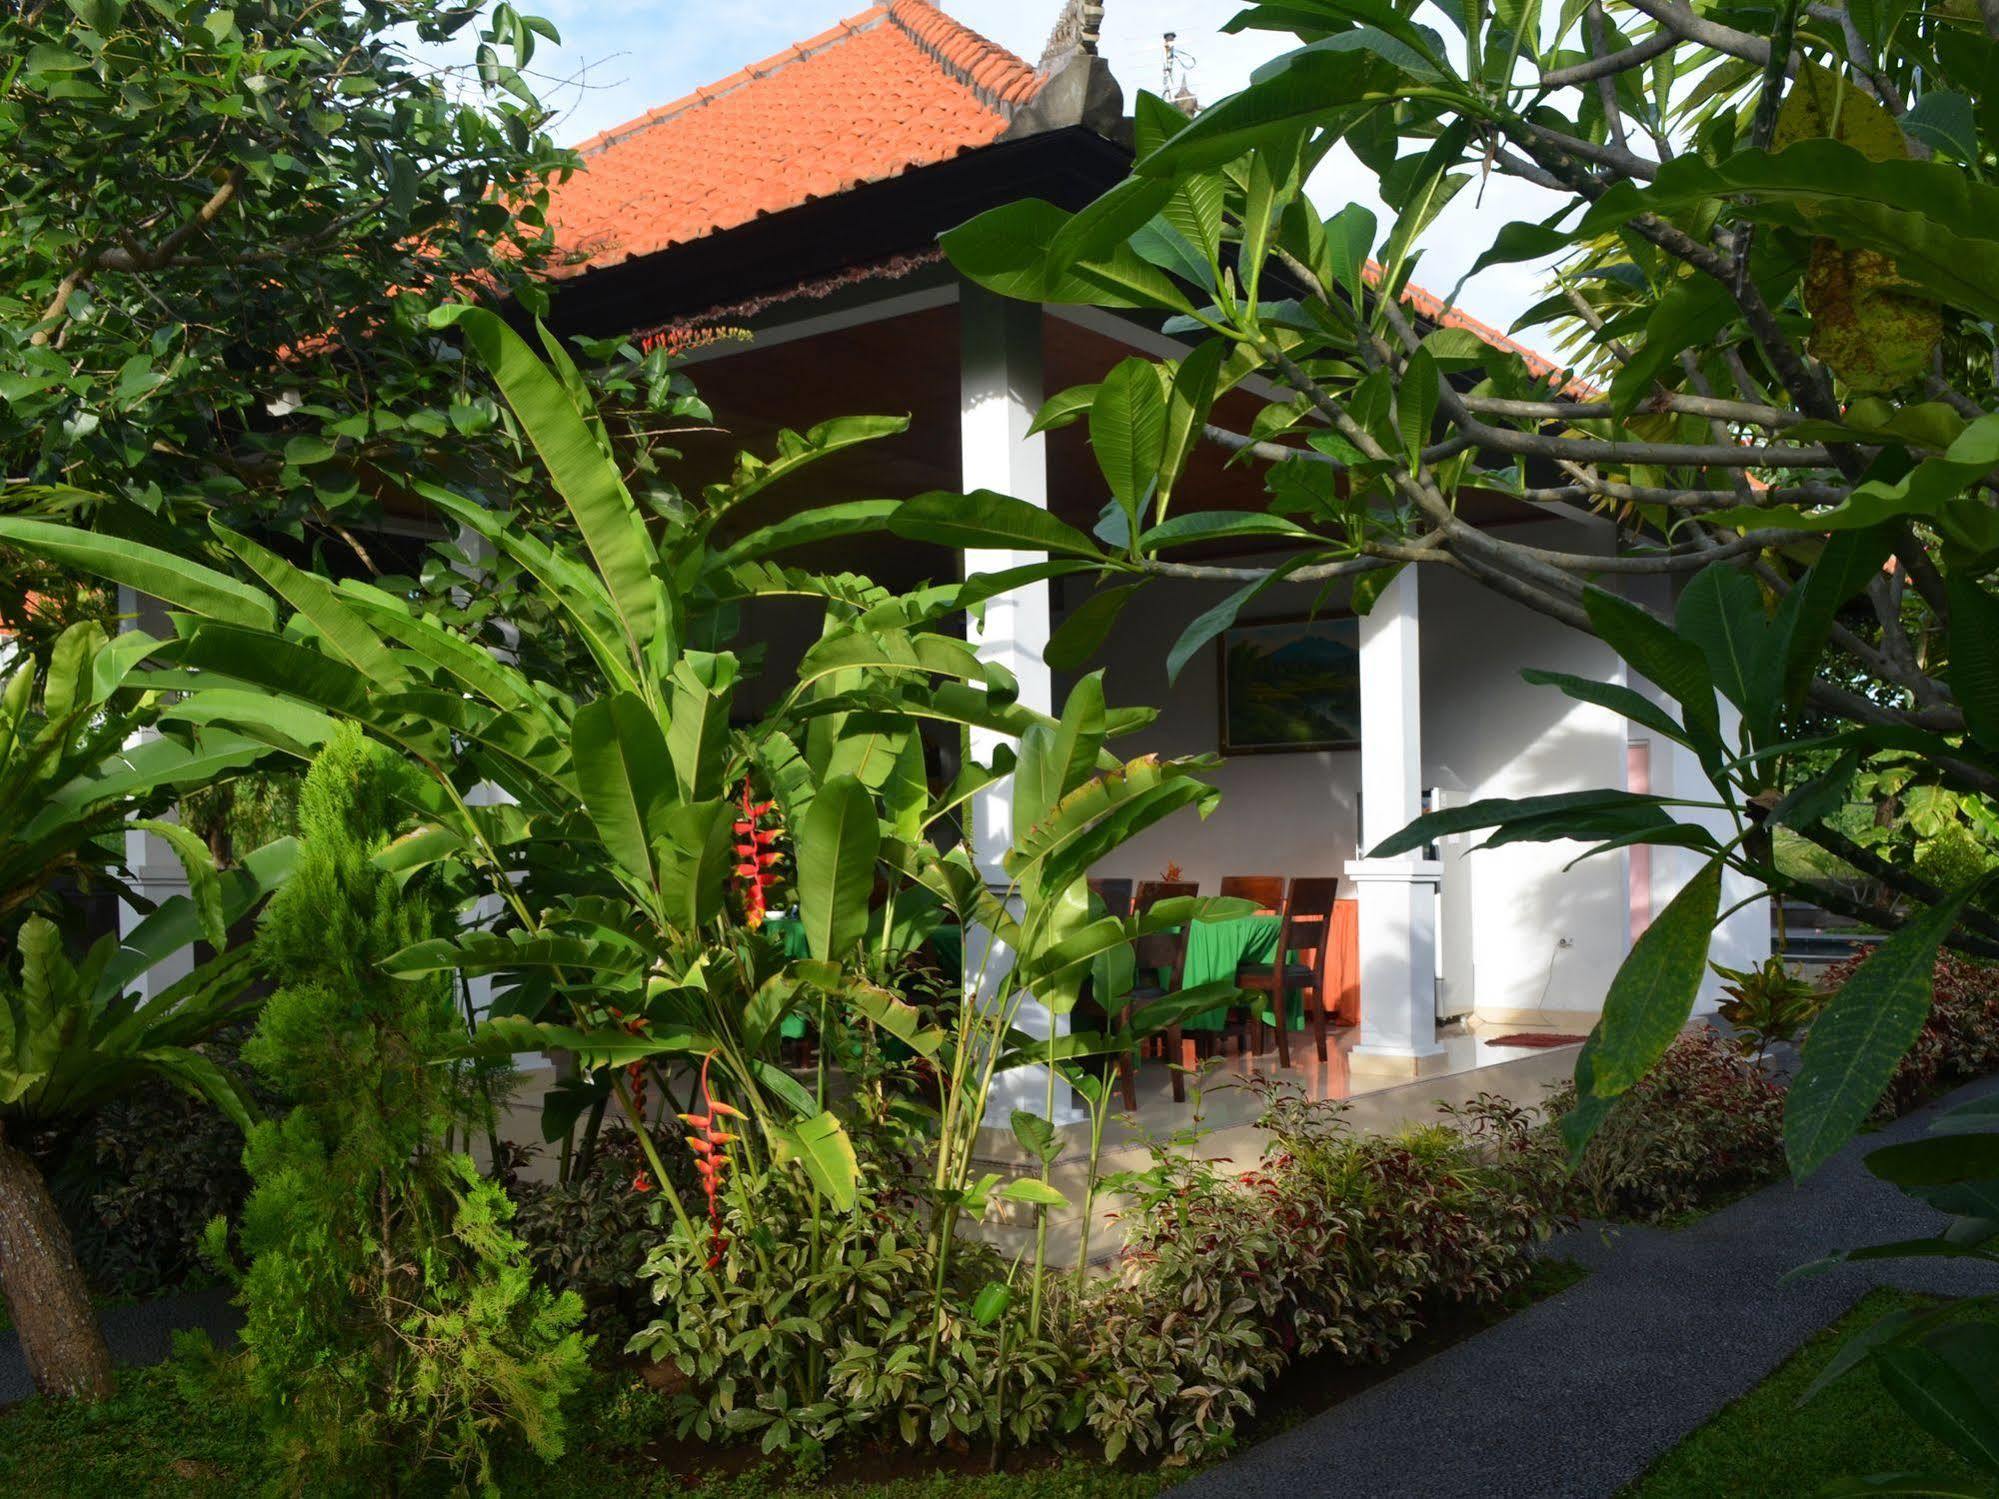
635, 1073
709, 1146
757, 856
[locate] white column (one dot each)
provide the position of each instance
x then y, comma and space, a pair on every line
156, 875
1398, 897
999, 392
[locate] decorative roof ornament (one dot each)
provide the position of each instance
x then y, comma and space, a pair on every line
1080, 28
1077, 87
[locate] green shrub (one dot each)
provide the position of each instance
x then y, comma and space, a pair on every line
138, 1185
1703, 1125
1339, 1241
591, 1234
1767, 1004
794, 1344
392, 1320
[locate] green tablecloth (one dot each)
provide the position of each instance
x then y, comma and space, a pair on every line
947, 940
1215, 949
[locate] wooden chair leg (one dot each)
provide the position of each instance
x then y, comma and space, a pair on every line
1176, 1058
1318, 1001
1281, 1011
1253, 1038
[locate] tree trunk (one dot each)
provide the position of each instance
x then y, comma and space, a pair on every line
45, 1289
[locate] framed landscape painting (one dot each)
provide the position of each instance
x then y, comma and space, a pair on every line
1291, 685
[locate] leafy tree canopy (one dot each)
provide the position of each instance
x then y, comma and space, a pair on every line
225, 226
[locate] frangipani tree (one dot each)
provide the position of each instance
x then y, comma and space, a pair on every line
1774, 262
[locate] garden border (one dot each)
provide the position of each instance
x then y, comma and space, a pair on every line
1578, 1394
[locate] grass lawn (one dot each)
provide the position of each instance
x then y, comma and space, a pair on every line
1766, 1445
152, 1439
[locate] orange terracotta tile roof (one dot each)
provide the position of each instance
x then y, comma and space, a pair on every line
900, 85
1432, 308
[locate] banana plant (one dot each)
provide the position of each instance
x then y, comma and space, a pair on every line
73, 1035
1073, 807
620, 938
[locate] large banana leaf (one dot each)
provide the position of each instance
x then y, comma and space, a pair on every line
585, 478
837, 846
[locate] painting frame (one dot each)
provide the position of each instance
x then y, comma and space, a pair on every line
1326, 725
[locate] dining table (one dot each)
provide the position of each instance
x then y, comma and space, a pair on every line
1217, 949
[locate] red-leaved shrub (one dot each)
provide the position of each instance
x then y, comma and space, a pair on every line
1702, 1125
1960, 1035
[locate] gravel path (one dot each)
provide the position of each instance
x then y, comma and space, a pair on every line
140, 1334
1576, 1396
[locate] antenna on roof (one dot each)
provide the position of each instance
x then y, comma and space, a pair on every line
1173, 77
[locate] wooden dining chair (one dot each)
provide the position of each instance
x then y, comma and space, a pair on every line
1307, 931
1115, 895
1161, 960
1267, 890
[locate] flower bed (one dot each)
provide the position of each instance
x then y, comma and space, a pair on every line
1338, 1242
1700, 1128
1706, 1124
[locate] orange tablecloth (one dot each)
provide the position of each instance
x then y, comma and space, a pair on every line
1342, 970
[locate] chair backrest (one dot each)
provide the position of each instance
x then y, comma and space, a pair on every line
1115, 894
1267, 890
1151, 892
1167, 950
1308, 918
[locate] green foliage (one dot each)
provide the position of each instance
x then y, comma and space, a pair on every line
71, 777
591, 1233
392, 1318
1959, 1039
1703, 1126
1775, 287
1766, 1004
158, 1437
1769, 1444
226, 227
140, 1178
1339, 1240
148, 1438
806, 1343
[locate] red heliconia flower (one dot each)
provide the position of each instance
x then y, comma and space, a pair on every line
635, 1074
757, 856
709, 1147
642, 1182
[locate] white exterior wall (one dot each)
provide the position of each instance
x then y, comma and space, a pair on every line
1538, 938
1742, 937
1287, 814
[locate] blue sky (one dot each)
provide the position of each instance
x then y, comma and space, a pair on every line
625, 56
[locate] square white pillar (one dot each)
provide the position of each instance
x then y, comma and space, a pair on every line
1000, 390
1398, 897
